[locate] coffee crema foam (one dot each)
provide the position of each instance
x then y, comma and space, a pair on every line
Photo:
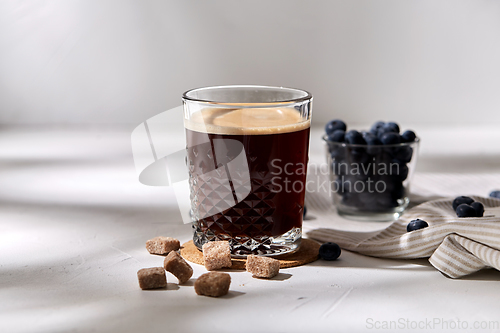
255, 121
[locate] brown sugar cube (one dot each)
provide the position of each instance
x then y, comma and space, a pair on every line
162, 245
152, 278
263, 267
176, 265
213, 284
216, 255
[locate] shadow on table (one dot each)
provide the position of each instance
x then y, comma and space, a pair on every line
350, 259
487, 274
233, 294
189, 283
169, 287
279, 277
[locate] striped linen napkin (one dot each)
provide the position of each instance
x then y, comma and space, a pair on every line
455, 246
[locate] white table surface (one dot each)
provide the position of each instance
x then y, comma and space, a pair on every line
74, 220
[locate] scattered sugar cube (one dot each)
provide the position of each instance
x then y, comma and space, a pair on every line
176, 265
151, 278
263, 267
213, 284
216, 255
162, 245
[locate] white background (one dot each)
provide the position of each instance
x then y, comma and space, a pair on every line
418, 62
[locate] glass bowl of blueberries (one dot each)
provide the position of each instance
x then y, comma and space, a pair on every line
370, 171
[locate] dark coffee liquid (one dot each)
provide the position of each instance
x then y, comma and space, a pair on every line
277, 167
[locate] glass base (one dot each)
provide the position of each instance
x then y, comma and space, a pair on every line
286, 243
370, 216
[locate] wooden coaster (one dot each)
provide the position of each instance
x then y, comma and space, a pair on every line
308, 252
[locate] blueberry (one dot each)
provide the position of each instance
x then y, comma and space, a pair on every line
358, 155
398, 192
329, 251
375, 127
416, 224
337, 136
354, 137
495, 194
334, 125
372, 141
403, 154
462, 200
304, 212
367, 136
392, 127
408, 136
361, 175
337, 152
385, 182
479, 208
388, 128
398, 171
465, 210
340, 168
390, 138
342, 185
381, 131
351, 199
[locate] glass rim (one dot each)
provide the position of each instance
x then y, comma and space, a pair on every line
344, 144
308, 96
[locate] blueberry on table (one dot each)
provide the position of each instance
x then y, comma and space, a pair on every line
334, 125
390, 138
337, 136
354, 137
408, 136
465, 210
462, 200
495, 194
416, 224
329, 251
479, 208
304, 212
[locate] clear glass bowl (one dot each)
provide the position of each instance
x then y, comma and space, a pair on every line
371, 182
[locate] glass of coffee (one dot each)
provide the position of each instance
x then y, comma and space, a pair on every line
247, 154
